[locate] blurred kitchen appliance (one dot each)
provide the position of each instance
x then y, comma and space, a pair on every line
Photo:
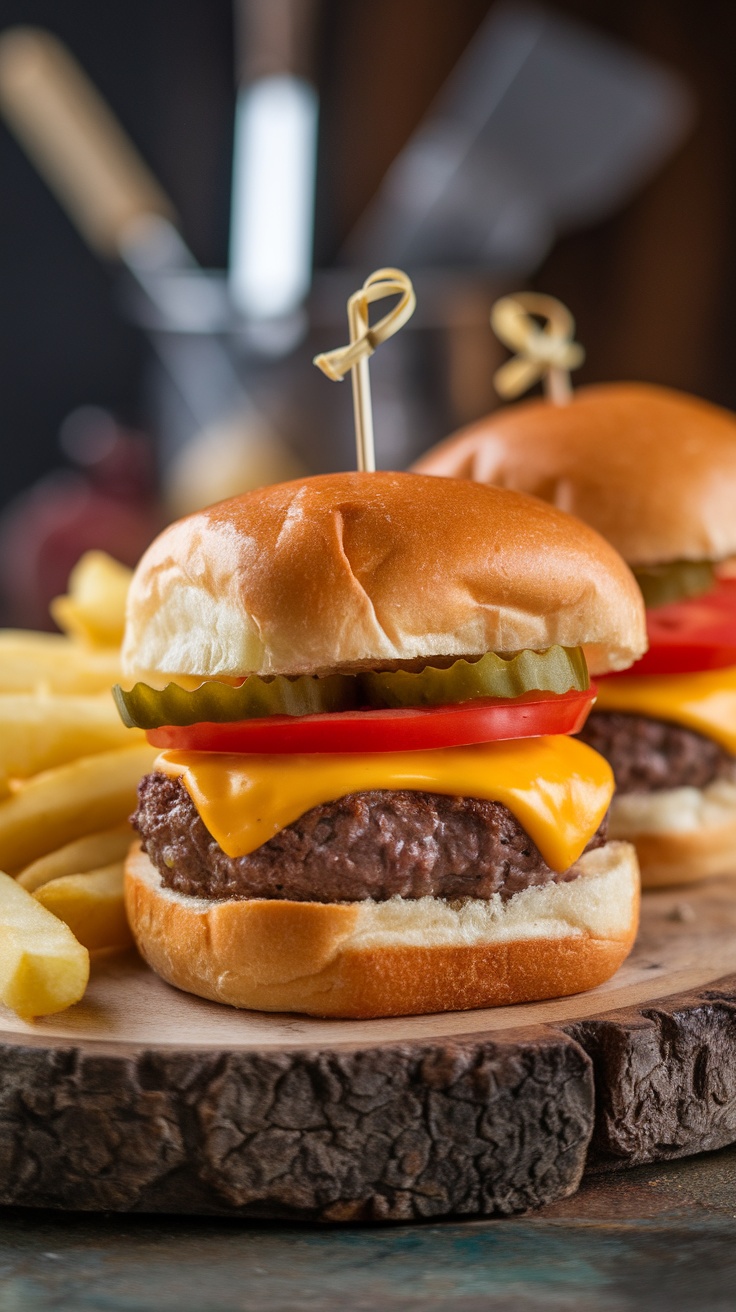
542, 126
274, 167
85, 157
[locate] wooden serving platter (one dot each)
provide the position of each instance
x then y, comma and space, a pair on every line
143, 1098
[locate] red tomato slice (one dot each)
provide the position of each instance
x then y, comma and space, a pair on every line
404, 730
697, 634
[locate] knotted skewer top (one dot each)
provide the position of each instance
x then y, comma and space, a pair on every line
363, 342
545, 352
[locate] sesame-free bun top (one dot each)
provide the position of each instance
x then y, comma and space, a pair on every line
345, 571
652, 469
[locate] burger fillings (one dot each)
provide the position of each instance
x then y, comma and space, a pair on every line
654, 471
437, 844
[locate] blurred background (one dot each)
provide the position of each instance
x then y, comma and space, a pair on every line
191, 191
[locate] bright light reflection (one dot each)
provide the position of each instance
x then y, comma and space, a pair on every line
273, 196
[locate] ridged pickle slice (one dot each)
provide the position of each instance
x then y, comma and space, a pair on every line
149, 708
559, 669
663, 584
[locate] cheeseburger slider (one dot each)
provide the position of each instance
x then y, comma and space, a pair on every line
368, 801
654, 471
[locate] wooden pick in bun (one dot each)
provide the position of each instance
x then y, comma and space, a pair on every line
654, 471
432, 839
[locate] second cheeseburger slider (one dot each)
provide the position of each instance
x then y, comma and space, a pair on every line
654, 471
367, 801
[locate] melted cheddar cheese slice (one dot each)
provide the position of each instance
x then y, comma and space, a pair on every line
557, 788
705, 702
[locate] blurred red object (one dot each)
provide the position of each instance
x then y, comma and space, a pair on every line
107, 503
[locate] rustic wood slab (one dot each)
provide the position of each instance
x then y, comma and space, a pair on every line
143, 1098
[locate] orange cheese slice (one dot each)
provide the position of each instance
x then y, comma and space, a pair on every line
705, 702
557, 788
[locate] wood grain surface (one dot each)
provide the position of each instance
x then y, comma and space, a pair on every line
145, 1099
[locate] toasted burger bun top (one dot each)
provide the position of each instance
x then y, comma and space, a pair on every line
651, 469
351, 570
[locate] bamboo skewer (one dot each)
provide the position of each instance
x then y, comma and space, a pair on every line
547, 352
363, 342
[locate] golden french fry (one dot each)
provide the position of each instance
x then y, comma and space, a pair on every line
88, 853
94, 608
43, 730
29, 661
91, 905
43, 968
58, 806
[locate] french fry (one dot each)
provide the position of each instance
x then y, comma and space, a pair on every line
29, 661
58, 806
43, 969
40, 731
91, 905
94, 608
88, 853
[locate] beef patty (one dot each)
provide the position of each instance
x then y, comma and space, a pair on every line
367, 845
650, 755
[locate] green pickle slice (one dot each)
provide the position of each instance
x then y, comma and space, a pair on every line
662, 584
148, 708
559, 669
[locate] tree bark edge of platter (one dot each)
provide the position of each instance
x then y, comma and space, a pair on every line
665, 1077
397, 1132
402, 1130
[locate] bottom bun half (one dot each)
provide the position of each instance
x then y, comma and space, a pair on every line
400, 957
681, 835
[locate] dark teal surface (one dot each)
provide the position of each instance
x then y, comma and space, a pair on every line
655, 1238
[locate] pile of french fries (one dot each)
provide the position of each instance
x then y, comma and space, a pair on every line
69, 770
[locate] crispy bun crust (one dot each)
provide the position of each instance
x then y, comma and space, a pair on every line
670, 855
652, 469
349, 570
364, 959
